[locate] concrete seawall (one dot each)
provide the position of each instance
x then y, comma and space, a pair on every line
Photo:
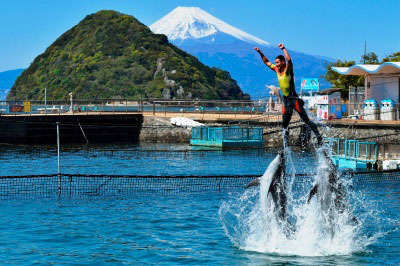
157, 129
381, 135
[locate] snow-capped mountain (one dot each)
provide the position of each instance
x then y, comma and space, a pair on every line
184, 23
215, 43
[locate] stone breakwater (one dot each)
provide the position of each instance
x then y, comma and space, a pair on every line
160, 130
381, 135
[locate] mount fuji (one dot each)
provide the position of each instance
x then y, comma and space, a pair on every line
216, 43
193, 23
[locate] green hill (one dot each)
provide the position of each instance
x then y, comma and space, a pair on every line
112, 55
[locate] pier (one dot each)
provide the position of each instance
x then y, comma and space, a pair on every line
122, 120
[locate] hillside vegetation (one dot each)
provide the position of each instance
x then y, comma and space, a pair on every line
112, 55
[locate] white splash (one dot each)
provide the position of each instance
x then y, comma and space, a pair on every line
194, 23
251, 224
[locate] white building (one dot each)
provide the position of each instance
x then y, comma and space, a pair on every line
381, 81
329, 104
310, 99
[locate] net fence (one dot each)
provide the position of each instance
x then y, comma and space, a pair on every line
67, 185
83, 186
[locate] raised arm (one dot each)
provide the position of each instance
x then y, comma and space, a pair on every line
263, 57
285, 53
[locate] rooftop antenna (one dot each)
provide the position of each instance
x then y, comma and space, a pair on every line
365, 50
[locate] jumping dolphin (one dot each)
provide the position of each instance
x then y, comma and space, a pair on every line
277, 187
333, 185
331, 194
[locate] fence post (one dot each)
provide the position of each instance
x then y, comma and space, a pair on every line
234, 108
45, 100
58, 158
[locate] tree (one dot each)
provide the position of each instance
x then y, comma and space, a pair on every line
395, 57
343, 81
369, 59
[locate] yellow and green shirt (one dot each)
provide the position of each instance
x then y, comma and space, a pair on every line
286, 79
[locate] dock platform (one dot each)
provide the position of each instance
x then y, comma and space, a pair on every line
227, 137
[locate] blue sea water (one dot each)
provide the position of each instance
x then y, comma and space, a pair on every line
148, 159
164, 229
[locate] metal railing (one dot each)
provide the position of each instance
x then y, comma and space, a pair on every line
359, 111
128, 105
227, 133
262, 110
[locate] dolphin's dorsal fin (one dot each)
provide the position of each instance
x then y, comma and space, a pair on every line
254, 183
312, 192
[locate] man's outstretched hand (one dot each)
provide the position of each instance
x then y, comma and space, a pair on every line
281, 46
257, 49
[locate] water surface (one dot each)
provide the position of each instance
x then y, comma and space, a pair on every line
161, 228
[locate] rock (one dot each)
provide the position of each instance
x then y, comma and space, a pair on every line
160, 62
169, 82
180, 92
166, 94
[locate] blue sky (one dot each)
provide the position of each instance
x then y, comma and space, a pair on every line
335, 29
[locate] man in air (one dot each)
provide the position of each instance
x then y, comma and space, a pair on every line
291, 100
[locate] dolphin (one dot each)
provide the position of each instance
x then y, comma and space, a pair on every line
333, 185
277, 187
331, 193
